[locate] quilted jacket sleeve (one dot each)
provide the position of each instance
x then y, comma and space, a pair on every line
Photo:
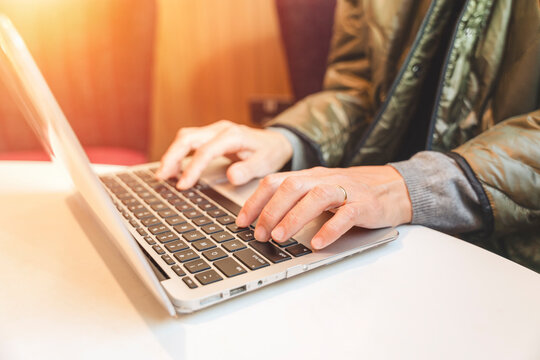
505, 162
328, 119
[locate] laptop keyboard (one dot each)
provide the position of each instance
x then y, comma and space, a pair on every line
193, 231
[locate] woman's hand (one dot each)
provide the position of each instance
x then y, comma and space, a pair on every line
376, 196
256, 152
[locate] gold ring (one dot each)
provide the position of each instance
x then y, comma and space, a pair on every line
344, 193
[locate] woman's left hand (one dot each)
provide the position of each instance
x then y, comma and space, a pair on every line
366, 196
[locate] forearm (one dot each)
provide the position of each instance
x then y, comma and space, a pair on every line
442, 198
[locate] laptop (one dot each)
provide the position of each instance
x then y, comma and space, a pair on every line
184, 245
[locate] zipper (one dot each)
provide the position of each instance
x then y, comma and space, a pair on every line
396, 82
429, 140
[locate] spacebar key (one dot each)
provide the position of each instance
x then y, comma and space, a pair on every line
269, 251
249, 258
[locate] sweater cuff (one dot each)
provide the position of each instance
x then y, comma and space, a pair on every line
441, 195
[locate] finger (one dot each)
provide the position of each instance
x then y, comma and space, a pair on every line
171, 161
286, 196
254, 166
255, 203
320, 198
225, 142
333, 229
187, 140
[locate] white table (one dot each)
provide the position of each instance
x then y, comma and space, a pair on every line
67, 293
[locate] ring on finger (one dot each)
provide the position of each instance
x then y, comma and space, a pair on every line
344, 195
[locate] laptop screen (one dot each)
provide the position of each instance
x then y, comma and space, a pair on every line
30, 91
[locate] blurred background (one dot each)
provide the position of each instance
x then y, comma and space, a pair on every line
129, 73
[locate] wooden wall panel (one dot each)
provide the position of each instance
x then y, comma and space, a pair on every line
211, 57
97, 57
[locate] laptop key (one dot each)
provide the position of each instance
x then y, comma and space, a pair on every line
149, 240
186, 255
184, 228
158, 249
222, 236
298, 250
189, 282
166, 213
183, 206
269, 251
166, 237
151, 200
208, 277
176, 246
176, 220
175, 201
211, 229
252, 260
189, 193
141, 231
133, 222
246, 235
216, 213
206, 206
143, 214
136, 207
196, 266
159, 206
151, 221
191, 214
214, 254
123, 195
229, 267
130, 201
178, 270
235, 229
203, 244
285, 243
234, 245
197, 199
168, 260
158, 229
225, 220
193, 235
201, 221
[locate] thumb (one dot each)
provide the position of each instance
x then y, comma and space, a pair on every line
242, 172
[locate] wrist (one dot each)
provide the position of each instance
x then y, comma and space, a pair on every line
397, 197
282, 147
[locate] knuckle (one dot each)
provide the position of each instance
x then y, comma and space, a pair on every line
332, 228
224, 122
291, 184
350, 212
268, 181
267, 216
321, 192
292, 218
183, 132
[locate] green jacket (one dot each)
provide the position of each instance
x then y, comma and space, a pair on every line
459, 77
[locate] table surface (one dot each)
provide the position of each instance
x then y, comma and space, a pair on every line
67, 293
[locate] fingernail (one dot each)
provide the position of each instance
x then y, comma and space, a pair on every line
260, 233
241, 219
317, 242
277, 233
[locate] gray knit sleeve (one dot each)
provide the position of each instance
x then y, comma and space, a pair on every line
442, 197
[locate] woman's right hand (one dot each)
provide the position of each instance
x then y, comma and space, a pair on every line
257, 152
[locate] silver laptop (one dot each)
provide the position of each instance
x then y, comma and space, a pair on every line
184, 245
